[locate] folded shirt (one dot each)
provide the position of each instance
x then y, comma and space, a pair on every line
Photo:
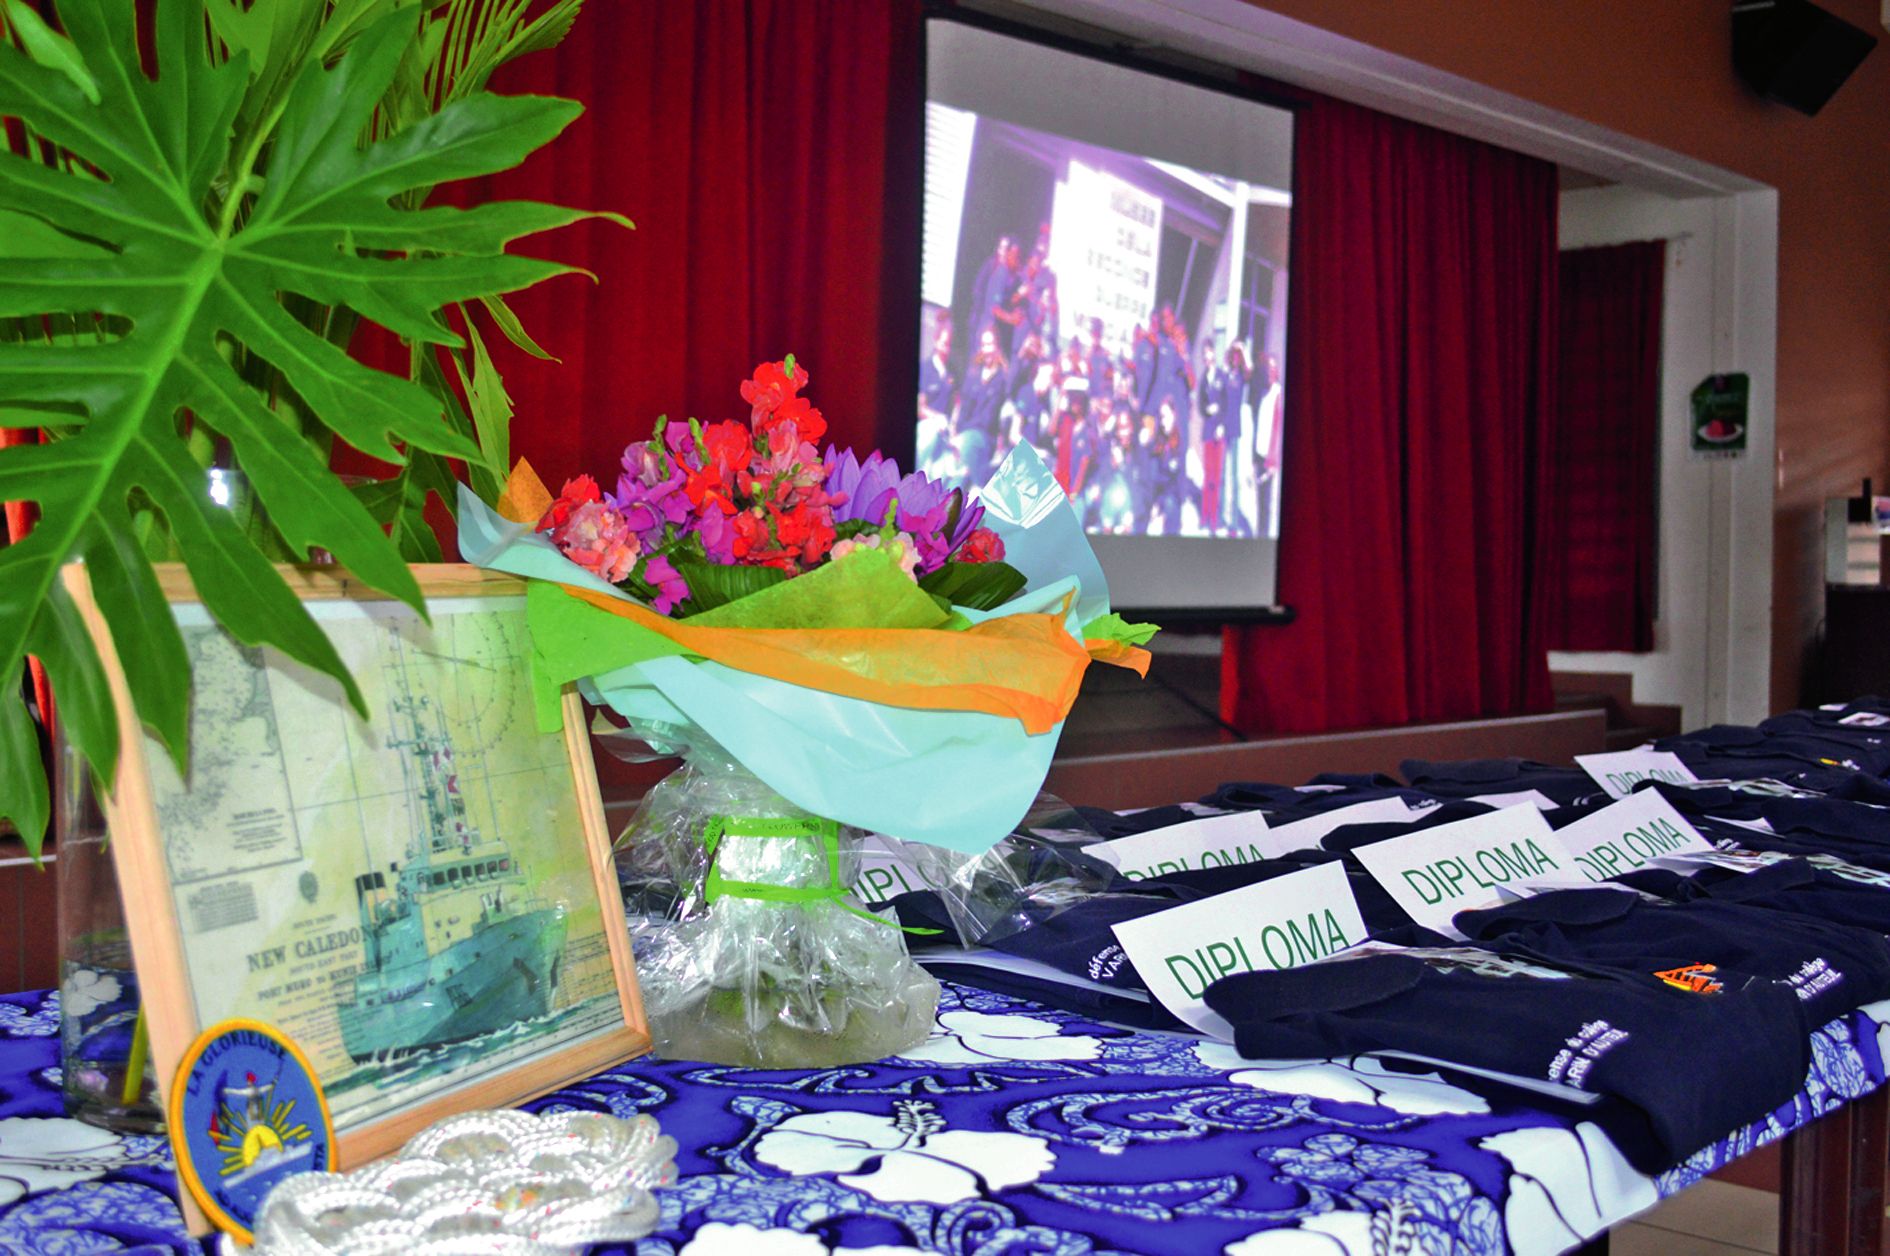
1866, 729
1706, 944
1810, 748
1350, 837
1112, 824
1674, 1069
1795, 886
1468, 778
1328, 791
1858, 833
1076, 936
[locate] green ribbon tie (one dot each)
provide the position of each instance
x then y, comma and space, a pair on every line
806, 828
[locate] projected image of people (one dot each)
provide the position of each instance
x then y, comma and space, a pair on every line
1123, 315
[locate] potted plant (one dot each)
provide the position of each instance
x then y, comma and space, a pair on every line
187, 246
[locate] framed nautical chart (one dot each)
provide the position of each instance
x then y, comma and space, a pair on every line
423, 901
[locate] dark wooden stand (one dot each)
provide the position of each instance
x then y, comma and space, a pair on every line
1833, 1178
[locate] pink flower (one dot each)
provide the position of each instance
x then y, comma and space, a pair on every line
596, 537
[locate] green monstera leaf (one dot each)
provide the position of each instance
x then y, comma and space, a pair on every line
180, 248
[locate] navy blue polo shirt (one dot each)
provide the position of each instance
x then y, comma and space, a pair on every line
1073, 938
1076, 936
1807, 748
1675, 1069
1110, 824
1377, 908
1857, 787
1467, 778
1349, 837
1794, 886
1833, 968
1325, 792
1866, 714
1855, 832
1869, 730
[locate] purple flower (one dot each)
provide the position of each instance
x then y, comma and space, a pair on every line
925, 505
670, 587
717, 532
650, 490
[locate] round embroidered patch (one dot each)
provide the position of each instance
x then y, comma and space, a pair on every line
246, 1111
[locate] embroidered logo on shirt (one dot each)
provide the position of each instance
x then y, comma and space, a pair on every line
1697, 978
1593, 1040
1813, 978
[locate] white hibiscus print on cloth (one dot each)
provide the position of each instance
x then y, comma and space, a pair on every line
1328, 1234
913, 1157
84, 991
51, 1153
965, 1039
1566, 1186
1360, 1079
17, 1022
719, 1238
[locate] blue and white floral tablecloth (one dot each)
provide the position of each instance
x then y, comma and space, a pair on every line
1014, 1129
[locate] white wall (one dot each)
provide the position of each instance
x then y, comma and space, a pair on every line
1712, 632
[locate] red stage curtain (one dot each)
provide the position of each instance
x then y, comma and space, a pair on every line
1607, 441
1419, 393
767, 150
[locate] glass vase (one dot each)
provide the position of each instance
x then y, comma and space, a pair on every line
102, 1056
749, 949
103, 1048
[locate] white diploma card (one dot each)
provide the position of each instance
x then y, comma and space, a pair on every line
1437, 872
1629, 834
1534, 797
1620, 771
885, 872
1307, 833
1282, 923
1212, 842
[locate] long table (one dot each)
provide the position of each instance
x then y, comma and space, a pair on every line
1017, 1128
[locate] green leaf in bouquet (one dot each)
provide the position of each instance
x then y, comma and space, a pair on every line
864, 589
981, 586
1113, 627
713, 584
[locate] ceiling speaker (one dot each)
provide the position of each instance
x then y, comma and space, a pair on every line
1794, 52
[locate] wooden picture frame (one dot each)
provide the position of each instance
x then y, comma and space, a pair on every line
592, 1015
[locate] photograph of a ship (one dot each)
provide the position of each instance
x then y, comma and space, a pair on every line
415, 888
455, 944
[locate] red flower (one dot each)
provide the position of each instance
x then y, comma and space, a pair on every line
751, 534
729, 447
725, 452
773, 384
575, 493
982, 546
706, 486
809, 426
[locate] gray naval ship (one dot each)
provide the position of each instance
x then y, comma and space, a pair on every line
454, 945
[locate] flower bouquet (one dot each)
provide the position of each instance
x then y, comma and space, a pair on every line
834, 648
